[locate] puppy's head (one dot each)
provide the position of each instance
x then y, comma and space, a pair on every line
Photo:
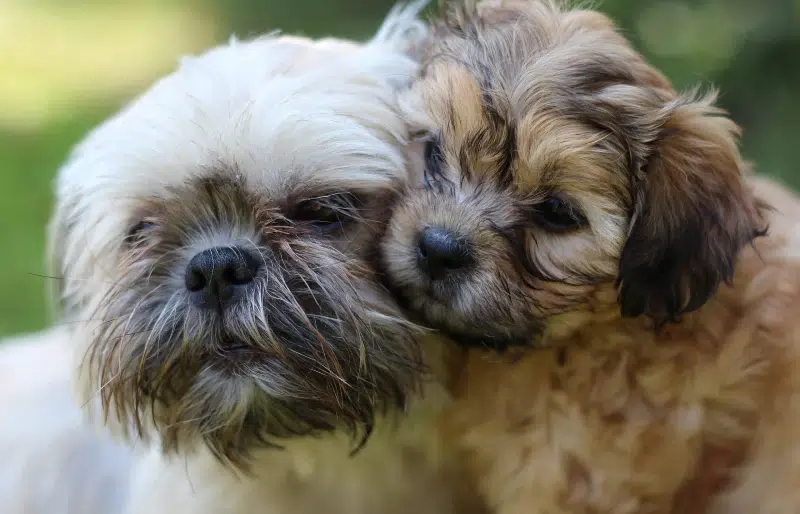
216, 241
559, 165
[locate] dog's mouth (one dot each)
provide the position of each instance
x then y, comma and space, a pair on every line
236, 352
235, 348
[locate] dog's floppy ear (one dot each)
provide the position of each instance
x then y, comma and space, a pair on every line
693, 213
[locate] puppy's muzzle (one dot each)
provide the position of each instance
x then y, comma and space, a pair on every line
219, 277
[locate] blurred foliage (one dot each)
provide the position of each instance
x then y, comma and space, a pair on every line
67, 64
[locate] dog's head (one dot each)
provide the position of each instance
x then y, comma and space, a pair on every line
217, 237
560, 165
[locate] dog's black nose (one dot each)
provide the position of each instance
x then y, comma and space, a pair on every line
441, 252
216, 276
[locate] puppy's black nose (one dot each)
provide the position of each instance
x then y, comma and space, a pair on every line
215, 277
441, 252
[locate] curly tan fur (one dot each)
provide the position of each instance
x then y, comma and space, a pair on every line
652, 350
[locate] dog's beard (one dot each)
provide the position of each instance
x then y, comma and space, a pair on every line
316, 346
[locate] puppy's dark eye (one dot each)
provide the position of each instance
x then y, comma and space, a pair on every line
327, 212
433, 156
138, 231
557, 215
434, 159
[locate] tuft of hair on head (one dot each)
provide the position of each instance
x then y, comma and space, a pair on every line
403, 28
468, 16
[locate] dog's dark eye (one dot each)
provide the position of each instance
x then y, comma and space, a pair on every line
434, 159
557, 215
314, 212
327, 212
433, 156
137, 232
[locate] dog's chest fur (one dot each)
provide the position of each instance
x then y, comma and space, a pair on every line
400, 470
630, 422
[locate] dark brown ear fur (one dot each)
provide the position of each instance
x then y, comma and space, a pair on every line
693, 214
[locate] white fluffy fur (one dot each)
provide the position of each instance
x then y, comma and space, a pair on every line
268, 107
51, 460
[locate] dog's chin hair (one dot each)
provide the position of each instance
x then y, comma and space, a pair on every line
450, 323
333, 356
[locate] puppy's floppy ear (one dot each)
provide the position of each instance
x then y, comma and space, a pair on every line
693, 213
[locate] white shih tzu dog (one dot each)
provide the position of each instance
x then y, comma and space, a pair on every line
217, 240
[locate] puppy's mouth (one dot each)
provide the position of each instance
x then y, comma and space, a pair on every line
422, 303
441, 292
491, 342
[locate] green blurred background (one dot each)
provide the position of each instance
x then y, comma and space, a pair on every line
65, 65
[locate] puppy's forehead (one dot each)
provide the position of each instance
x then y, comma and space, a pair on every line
510, 87
491, 132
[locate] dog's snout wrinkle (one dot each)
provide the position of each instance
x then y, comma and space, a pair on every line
215, 276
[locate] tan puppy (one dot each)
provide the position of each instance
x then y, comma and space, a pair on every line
216, 241
599, 226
